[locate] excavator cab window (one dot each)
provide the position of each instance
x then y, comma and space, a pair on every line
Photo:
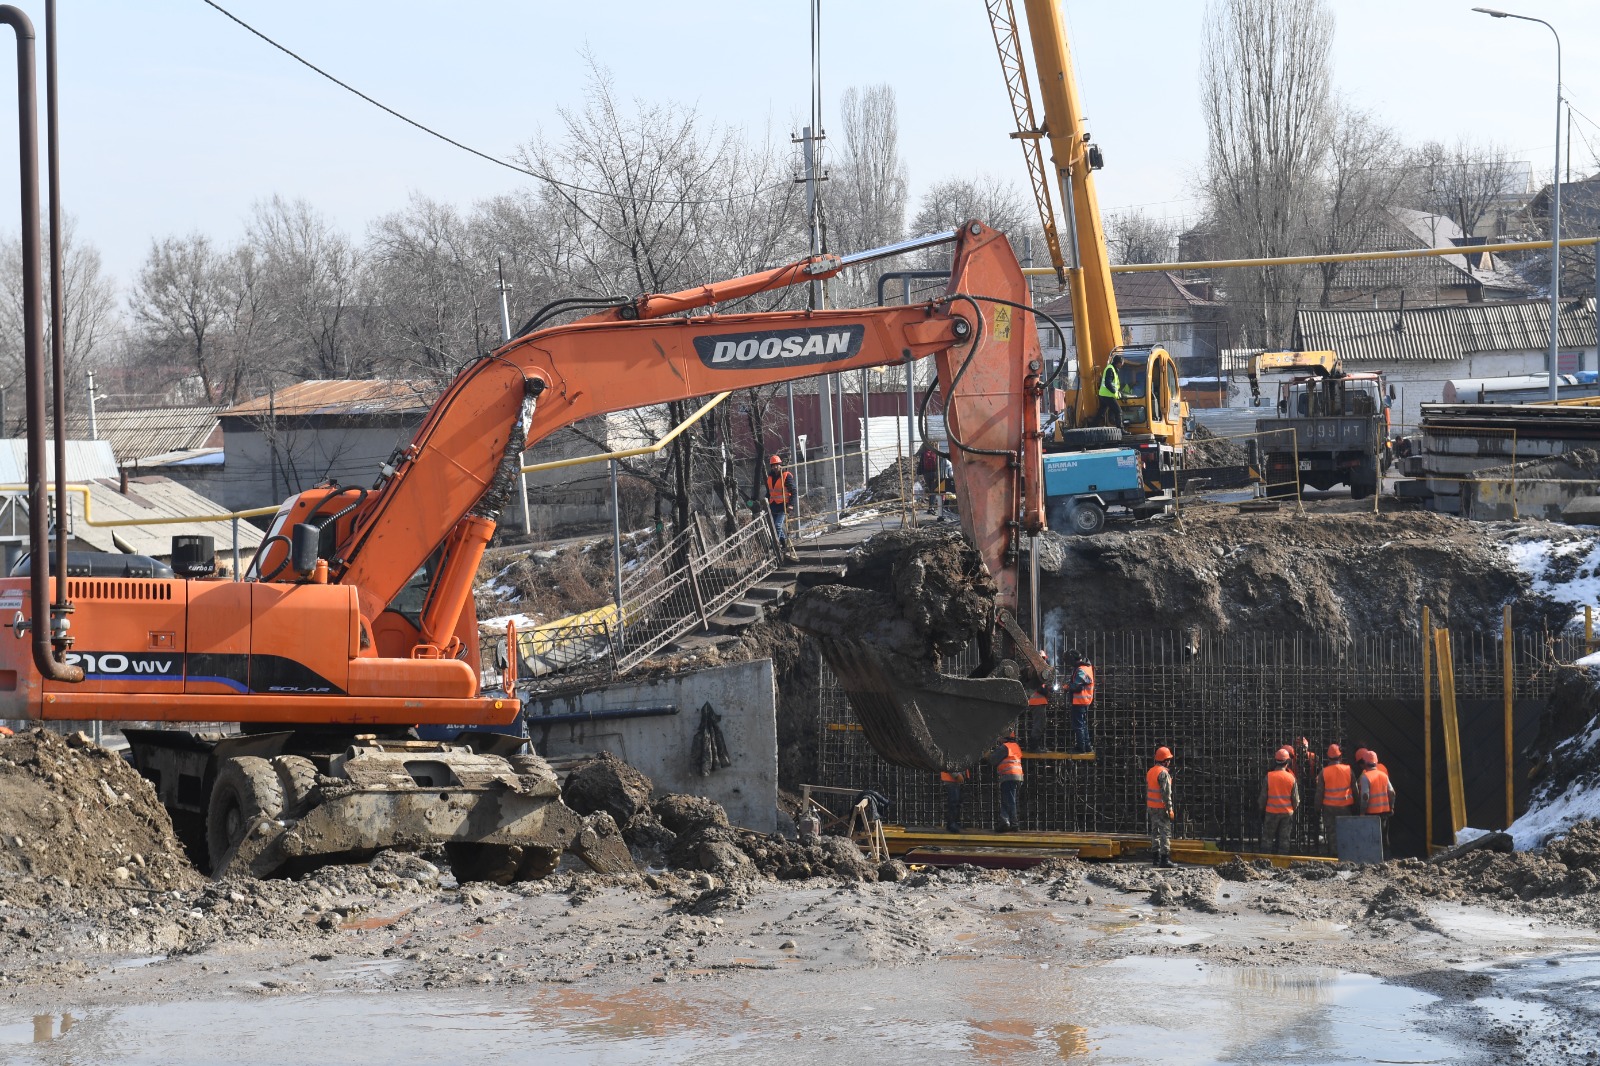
413, 596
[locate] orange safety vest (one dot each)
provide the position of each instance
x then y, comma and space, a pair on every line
1280, 792
957, 778
1038, 699
1336, 789
778, 489
1379, 799
1011, 765
1153, 797
1085, 696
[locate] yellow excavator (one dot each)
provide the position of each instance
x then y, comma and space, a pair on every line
1153, 412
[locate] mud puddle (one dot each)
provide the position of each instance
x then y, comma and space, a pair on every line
1005, 1011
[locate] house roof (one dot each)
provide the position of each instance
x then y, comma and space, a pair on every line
85, 459
340, 398
140, 432
1145, 292
154, 497
1441, 334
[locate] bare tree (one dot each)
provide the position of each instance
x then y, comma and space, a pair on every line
1268, 111
1358, 188
866, 190
1134, 237
179, 304
1463, 182
312, 279
990, 200
88, 304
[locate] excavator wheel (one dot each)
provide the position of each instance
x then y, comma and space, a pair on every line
247, 788
298, 776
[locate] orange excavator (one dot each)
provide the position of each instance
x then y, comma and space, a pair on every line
357, 621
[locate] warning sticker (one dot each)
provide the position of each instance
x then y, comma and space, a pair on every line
1002, 322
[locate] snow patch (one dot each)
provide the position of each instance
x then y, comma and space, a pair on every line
1567, 572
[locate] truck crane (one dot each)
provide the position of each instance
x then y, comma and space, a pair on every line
1153, 409
1331, 425
357, 621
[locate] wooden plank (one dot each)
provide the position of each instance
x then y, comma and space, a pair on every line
1427, 729
1450, 731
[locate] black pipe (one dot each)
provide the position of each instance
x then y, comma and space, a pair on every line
33, 348
60, 636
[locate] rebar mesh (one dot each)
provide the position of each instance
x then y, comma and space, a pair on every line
1223, 704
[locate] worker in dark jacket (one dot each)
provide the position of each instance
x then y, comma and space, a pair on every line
1279, 799
952, 781
1080, 688
1158, 807
1007, 760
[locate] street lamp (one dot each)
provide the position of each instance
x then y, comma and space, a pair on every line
1555, 210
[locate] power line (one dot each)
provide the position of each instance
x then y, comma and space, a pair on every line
468, 148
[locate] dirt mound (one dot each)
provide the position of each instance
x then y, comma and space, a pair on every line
705, 841
1323, 574
77, 813
910, 591
606, 783
1205, 448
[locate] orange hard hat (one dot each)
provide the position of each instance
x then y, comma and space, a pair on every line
1361, 755
1333, 751
1284, 755
1163, 753
773, 459
1372, 758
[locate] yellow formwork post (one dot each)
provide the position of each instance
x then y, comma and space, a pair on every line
1427, 728
1451, 731
1506, 655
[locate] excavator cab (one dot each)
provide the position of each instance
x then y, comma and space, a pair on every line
1153, 404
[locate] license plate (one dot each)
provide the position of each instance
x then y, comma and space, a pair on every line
1305, 464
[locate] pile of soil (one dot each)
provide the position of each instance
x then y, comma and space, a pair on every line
79, 816
912, 591
693, 833
1205, 448
1317, 574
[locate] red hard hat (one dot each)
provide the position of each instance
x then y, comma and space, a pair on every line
1163, 753
1372, 758
1284, 755
773, 459
1361, 755
1333, 751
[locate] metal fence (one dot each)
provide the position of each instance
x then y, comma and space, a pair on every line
1223, 704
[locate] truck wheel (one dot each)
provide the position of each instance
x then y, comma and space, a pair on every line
298, 776
1361, 490
1087, 518
1090, 437
246, 789
1285, 488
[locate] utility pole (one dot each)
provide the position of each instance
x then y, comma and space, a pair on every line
94, 432
825, 383
505, 335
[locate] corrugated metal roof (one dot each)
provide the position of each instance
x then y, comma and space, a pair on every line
307, 398
1441, 334
154, 497
1142, 292
85, 459
140, 432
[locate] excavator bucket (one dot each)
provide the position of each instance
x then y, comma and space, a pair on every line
911, 713
917, 717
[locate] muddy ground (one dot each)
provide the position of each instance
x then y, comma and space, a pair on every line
679, 958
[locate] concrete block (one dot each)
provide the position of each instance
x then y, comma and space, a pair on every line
1414, 490
1582, 511
1360, 839
743, 694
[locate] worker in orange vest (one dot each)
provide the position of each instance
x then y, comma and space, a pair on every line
1039, 709
953, 780
1279, 799
1336, 795
780, 499
1080, 687
1158, 807
1007, 760
1375, 795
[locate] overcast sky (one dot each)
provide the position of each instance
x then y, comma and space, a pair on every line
175, 119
